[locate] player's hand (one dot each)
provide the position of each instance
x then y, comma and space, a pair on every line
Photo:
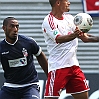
78, 32
84, 37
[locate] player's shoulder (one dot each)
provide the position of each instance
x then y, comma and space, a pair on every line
69, 16
26, 38
47, 17
1, 45
2, 42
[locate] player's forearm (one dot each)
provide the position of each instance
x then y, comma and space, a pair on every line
69, 37
43, 62
89, 38
93, 39
65, 38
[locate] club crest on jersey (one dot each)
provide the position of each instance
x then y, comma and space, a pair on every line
25, 53
55, 32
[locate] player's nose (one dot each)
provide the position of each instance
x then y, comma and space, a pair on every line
68, 2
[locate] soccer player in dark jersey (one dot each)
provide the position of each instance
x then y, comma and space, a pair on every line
16, 56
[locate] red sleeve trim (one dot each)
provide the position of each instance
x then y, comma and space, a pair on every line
56, 37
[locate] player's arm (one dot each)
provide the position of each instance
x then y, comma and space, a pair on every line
42, 60
89, 38
69, 37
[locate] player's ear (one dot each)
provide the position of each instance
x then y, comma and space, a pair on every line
58, 2
4, 28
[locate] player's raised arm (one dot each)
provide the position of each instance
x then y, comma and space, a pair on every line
69, 37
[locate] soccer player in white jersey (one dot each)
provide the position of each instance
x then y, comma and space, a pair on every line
61, 37
16, 56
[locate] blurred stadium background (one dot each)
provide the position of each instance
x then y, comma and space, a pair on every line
30, 14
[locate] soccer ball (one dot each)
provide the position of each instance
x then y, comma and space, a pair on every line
83, 21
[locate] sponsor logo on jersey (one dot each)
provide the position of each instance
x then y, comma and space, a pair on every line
18, 62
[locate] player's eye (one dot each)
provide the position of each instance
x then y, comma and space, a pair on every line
17, 26
13, 26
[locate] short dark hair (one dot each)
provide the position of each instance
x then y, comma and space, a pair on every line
5, 22
52, 2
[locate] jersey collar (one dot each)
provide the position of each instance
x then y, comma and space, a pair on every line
57, 18
10, 43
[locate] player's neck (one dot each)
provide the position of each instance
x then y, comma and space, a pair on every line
57, 14
11, 41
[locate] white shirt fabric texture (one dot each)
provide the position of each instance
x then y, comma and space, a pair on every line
64, 54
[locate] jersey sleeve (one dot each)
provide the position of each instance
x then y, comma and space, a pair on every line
40, 50
36, 49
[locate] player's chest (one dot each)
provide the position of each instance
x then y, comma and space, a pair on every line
64, 26
15, 56
14, 52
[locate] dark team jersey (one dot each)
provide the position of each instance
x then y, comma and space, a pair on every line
17, 60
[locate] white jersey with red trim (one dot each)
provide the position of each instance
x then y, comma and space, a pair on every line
64, 54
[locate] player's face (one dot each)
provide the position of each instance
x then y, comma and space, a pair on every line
11, 30
64, 5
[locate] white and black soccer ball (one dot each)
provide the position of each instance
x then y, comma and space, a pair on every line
83, 21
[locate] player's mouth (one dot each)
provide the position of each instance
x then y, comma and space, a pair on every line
14, 35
